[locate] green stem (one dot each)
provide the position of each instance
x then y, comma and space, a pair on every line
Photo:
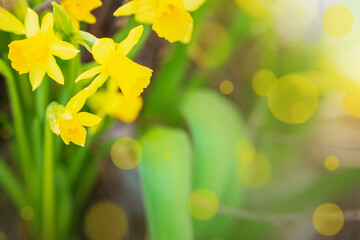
11, 186
48, 186
19, 126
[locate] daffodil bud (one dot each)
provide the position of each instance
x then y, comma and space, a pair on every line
62, 20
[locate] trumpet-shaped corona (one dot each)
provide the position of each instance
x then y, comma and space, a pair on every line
131, 77
68, 122
170, 18
35, 54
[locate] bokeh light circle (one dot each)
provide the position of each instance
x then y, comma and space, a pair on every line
126, 153
328, 219
262, 82
203, 204
226, 87
331, 163
293, 99
255, 173
27, 213
337, 20
106, 221
244, 150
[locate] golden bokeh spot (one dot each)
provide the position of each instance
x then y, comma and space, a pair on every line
293, 99
27, 213
203, 204
328, 219
106, 221
331, 163
126, 153
262, 82
255, 173
337, 20
3, 236
226, 87
255, 8
244, 150
351, 101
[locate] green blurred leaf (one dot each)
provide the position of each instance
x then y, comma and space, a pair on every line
215, 126
165, 176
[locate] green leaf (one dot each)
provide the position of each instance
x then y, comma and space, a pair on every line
215, 126
166, 181
62, 20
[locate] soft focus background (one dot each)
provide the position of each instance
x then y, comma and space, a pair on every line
245, 133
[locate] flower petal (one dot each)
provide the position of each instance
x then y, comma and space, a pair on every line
53, 70
188, 36
9, 23
31, 23
77, 102
103, 49
172, 23
36, 74
89, 18
128, 8
192, 5
87, 119
89, 74
97, 83
63, 50
131, 40
47, 24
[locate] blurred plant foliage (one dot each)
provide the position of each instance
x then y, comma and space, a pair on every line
202, 153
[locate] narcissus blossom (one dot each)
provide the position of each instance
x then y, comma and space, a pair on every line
68, 122
113, 103
35, 54
170, 18
80, 10
131, 77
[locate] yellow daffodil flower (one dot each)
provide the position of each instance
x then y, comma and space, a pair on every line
35, 54
131, 77
68, 122
170, 18
80, 10
113, 103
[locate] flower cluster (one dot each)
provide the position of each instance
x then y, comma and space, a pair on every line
59, 35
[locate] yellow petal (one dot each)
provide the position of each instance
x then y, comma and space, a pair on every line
53, 70
72, 131
97, 83
132, 78
129, 8
89, 18
36, 74
103, 50
47, 24
188, 36
89, 74
31, 23
131, 40
77, 102
9, 23
62, 49
87, 119
173, 23
192, 5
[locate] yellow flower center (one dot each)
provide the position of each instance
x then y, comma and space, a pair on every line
24, 54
